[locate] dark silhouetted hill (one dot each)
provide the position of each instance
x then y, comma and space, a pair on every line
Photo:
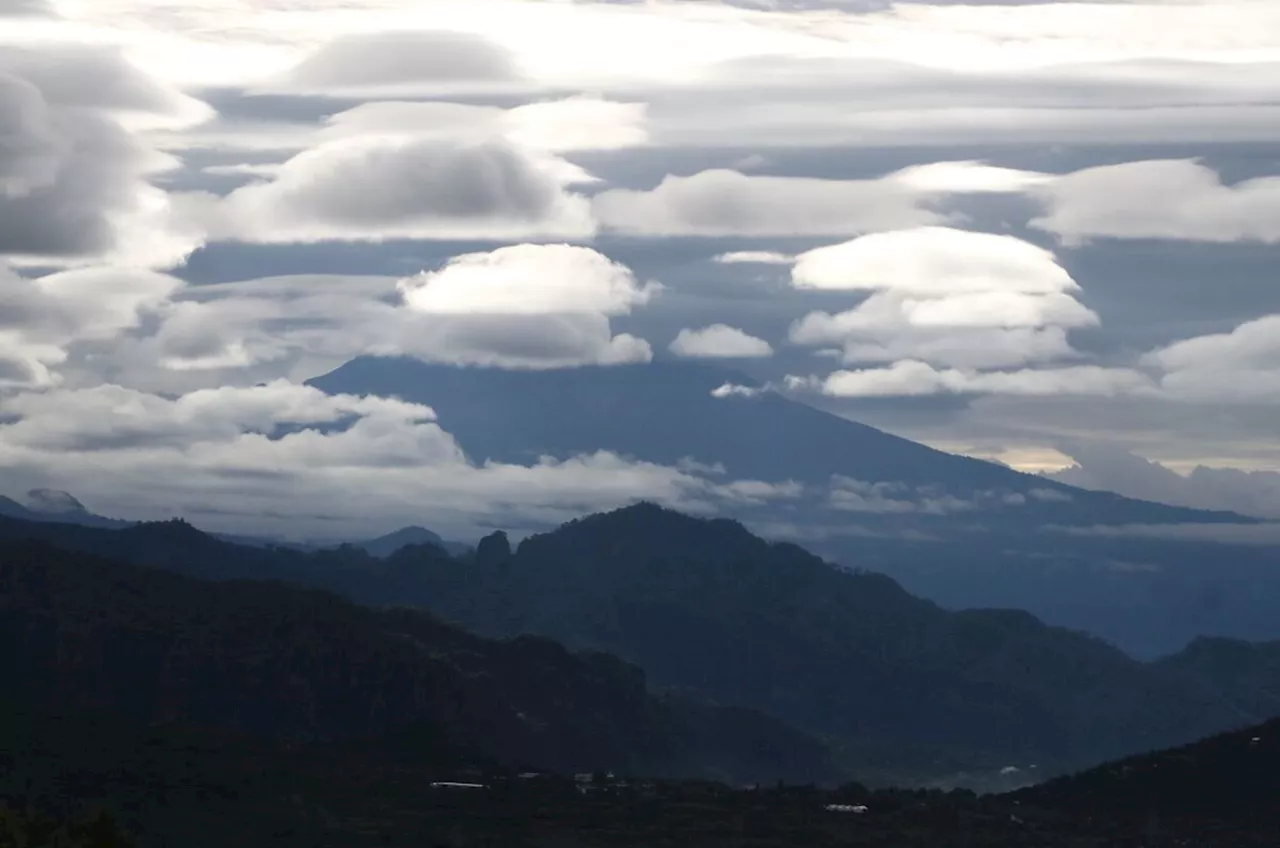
384, 546
1231, 778
288, 663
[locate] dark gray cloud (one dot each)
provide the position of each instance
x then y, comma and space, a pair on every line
74, 181
67, 214
28, 138
90, 78
23, 8
421, 188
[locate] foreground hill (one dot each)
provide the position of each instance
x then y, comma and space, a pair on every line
959, 531
291, 664
177, 786
905, 689
1231, 777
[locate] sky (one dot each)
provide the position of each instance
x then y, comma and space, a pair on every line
1038, 232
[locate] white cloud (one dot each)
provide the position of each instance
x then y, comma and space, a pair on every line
944, 296
578, 123
527, 306
911, 377
719, 341
932, 261
1159, 199
734, 390
969, 177
573, 123
1241, 366
528, 279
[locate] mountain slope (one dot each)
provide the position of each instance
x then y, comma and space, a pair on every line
293, 664
664, 411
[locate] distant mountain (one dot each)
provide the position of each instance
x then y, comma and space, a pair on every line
384, 546
961, 531
905, 689
54, 506
664, 412
287, 663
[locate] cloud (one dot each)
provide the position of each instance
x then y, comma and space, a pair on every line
521, 306
932, 261
288, 459
847, 494
75, 175
573, 123
579, 123
734, 390
970, 177
42, 319
724, 202
528, 279
403, 62
1160, 199
528, 306
1231, 534
570, 124
850, 495
943, 296
374, 188
889, 88
1114, 469
22, 8
1242, 366
719, 341
914, 378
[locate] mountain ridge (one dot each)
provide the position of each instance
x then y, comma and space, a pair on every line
908, 690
